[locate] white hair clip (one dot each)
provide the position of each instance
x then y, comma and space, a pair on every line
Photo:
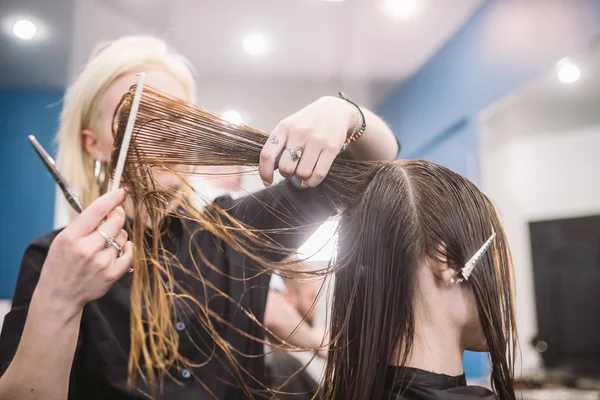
465, 272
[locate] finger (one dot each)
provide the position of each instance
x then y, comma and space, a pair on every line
110, 227
287, 165
321, 169
123, 263
270, 151
91, 217
120, 240
308, 161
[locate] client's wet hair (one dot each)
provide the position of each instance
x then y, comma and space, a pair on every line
393, 216
401, 218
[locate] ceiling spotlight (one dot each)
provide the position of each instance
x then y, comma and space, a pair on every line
255, 44
233, 116
400, 9
24, 29
568, 72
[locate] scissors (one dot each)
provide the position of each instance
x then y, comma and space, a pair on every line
48, 161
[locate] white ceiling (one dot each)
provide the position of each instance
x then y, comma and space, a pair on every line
310, 39
547, 106
36, 63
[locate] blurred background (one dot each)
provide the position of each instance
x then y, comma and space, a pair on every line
506, 93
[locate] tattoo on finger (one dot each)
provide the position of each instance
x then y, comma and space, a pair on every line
273, 139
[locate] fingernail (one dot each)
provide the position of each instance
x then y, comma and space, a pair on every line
267, 184
304, 185
122, 192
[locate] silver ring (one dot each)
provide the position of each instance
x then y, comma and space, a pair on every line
107, 239
108, 242
296, 152
117, 247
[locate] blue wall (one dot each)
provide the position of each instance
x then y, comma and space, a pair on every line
27, 201
497, 51
481, 64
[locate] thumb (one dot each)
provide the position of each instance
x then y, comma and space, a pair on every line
92, 216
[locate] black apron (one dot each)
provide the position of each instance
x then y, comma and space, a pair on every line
416, 384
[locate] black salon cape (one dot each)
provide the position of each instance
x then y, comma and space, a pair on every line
100, 365
415, 384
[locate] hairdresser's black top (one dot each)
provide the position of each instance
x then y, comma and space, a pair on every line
416, 384
100, 366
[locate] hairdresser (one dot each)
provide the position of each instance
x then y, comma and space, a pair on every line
68, 334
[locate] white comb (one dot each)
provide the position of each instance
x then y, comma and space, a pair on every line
128, 132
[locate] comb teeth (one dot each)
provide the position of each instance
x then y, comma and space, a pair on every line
470, 265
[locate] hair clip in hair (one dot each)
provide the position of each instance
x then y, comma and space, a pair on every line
456, 279
465, 272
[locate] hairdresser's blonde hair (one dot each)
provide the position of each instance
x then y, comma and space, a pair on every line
81, 103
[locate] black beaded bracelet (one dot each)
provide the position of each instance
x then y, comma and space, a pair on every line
356, 134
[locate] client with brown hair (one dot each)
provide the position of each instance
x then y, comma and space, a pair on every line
423, 274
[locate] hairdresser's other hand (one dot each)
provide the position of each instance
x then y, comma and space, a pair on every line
79, 267
320, 129
286, 323
303, 296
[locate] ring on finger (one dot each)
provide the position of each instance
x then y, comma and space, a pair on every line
117, 247
108, 242
296, 152
107, 239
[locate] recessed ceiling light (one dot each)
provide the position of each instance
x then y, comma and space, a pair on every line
255, 44
568, 72
233, 116
24, 29
400, 9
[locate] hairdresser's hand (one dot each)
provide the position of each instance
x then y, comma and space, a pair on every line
321, 129
79, 267
286, 323
303, 296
